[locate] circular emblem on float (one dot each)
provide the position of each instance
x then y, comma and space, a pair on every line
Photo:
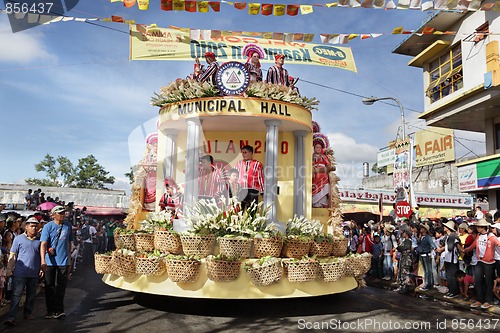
232, 78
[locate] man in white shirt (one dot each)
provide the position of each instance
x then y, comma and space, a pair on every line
479, 213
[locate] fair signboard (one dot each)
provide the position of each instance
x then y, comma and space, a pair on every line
434, 145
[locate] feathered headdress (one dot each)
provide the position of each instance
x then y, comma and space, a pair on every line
319, 138
316, 128
250, 48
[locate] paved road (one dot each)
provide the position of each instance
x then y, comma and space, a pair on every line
93, 306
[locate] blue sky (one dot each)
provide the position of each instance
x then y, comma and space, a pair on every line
68, 88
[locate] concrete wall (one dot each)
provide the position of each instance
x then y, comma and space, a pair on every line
439, 178
13, 194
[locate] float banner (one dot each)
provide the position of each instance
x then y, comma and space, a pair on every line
433, 146
173, 44
401, 174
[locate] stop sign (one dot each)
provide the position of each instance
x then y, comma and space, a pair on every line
403, 209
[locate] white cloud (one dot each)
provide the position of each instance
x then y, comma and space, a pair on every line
23, 47
347, 150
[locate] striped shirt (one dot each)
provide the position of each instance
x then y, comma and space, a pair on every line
210, 182
251, 175
209, 74
277, 75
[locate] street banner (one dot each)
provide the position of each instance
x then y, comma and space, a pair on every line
174, 44
434, 145
401, 175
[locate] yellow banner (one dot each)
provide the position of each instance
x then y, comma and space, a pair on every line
434, 145
172, 44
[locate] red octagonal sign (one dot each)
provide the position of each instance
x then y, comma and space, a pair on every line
403, 209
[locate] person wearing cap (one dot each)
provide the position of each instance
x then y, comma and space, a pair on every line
25, 269
207, 74
55, 250
484, 274
277, 74
451, 247
425, 246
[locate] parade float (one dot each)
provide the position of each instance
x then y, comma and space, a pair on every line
212, 248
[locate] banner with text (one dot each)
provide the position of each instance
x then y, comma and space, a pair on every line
172, 44
434, 145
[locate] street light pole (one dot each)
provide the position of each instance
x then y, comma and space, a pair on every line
371, 100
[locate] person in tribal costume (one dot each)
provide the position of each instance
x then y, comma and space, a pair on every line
321, 167
277, 74
254, 53
172, 200
251, 177
207, 74
210, 179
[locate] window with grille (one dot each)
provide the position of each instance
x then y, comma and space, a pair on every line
445, 74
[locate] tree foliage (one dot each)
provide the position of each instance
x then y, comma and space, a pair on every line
60, 172
377, 170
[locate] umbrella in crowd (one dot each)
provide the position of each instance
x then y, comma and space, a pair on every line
46, 206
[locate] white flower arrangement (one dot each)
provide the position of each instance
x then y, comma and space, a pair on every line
301, 227
181, 90
157, 220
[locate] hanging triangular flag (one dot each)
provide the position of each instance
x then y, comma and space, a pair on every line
428, 5
367, 4
143, 4
376, 35
308, 38
415, 4
190, 6
298, 37
379, 4
167, 5
292, 10
397, 31
118, 19
279, 10
403, 4
202, 6
352, 36
215, 34
390, 5
278, 36
195, 34
267, 35
215, 5
427, 30
343, 3
240, 5
226, 33
306, 9
129, 3
179, 5
253, 8
331, 4
355, 3
288, 38
325, 38
365, 36
205, 34
267, 9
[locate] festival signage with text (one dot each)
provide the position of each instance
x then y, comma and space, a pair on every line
434, 145
385, 158
172, 44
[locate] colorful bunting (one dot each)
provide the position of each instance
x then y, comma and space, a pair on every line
292, 10
143, 4
267, 9
253, 8
129, 3
166, 5
179, 5
215, 5
203, 6
279, 10
306, 9
240, 5
190, 6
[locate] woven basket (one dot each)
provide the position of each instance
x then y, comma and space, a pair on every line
200, 246
301, 271
295, 248
222, 270
147, 266
185, 271
167, 242
144, 242
357, 265
125, 241
263, 247
103, 264
123, 265
323, 249
266, 274
331, 271
237, 248
339, 247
